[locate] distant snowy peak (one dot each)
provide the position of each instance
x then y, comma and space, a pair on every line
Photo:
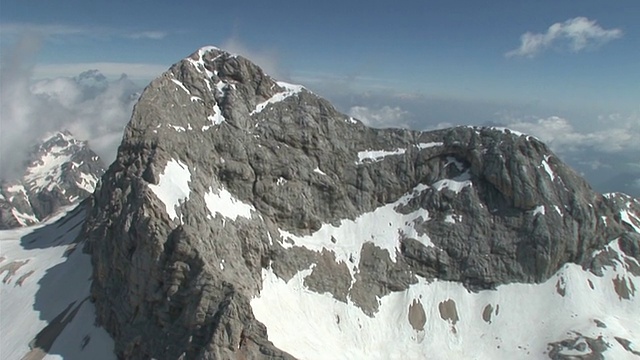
92, 78
57, 143
61, 170
54, 158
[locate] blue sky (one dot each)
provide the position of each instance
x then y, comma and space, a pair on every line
421, 64
446, 48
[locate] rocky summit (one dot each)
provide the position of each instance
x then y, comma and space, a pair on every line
246, 218
59, 171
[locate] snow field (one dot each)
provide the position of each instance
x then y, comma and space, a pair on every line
42, 277
524, 318
383, 227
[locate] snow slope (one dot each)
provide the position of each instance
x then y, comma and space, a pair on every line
516, 321
574, 313
45, 308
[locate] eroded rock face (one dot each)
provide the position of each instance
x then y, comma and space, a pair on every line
223, 172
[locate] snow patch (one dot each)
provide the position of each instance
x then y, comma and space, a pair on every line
23, 219
224, 203
173, 187
87, 182
199, 64
557, 209
205, 49
216, 119
628, 217
177, 128
290, 90
453, 218
422, 146
539, 210
377, 155
507, 131
318, 171
456, 184
455, 162
17, 188
547, 168
181, 85
221, 87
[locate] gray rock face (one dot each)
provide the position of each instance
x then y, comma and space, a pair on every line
60, 171
222, 169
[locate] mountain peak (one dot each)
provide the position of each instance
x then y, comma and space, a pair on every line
219, 88
91, 79
60, 171
61, 139
230, 188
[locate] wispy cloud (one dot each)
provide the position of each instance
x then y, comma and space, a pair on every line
57, 31
48, 29
575, 34
267, 59
383, 117
152, 35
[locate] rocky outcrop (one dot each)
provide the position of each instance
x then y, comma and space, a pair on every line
60, 171
224, 171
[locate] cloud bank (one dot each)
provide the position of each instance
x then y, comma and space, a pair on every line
562, 136
88, 105
606, 156
575, 34
383, 117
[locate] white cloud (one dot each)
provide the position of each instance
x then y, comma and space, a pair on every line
49, 31
621, 136
268, 60
42, 29
577, 34
153, 35
383, 117
89, 106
